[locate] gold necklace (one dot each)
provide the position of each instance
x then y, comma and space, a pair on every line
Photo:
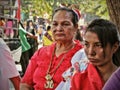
49, 81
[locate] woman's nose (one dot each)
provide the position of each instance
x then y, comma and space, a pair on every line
91, 51
59, 27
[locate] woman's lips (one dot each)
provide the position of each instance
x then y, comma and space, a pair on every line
92, 60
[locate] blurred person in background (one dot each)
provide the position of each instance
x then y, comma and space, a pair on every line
47, 37
25, 46
2, 22
8, 70
9, 32
40, 33
33, 42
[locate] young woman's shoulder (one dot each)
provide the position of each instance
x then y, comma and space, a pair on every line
109, 85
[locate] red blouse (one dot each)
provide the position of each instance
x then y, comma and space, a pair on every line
39, 63
87, 80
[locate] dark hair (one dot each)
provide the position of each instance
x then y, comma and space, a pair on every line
21, 24
74, 15
48, 28
78, 36
107, 33
1, 32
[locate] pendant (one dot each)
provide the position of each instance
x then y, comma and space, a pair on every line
49, 82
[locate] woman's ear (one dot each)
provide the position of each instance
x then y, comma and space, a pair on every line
115, 47
76, 27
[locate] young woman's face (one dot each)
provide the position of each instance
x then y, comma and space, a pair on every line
94, 50
62, 26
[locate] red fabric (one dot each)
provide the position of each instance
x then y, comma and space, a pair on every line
78, 13
36, 71
18, 11
87, 80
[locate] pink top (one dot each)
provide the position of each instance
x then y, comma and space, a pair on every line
9, 29
38, 66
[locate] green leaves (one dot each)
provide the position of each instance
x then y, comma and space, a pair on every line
40, 7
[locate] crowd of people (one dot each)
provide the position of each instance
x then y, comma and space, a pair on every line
66, 61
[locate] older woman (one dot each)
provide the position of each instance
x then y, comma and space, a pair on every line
101, 45
48, 63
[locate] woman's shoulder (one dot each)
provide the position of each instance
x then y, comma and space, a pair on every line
115, 77
117, 73
77, 46
78, 43
46, 49
43, 52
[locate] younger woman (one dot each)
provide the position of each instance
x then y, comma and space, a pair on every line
101, 46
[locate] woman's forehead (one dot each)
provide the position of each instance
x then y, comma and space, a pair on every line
62, 15
91, 36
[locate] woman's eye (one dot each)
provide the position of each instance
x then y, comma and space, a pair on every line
86, 45
66, 24
54, 24
98, 45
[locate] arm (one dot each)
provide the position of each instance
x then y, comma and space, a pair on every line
27, 80
24, 86
16, 82
31, 35
27, 33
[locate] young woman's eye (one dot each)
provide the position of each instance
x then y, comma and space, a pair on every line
86, 44
98, 45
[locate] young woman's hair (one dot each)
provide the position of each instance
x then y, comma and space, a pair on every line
107, 33
73, 13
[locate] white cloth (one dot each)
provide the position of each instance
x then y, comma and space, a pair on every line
79, 58
16, 54
79, 55
7, 66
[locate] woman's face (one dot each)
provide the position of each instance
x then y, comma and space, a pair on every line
25, 24
62, 27
94, 50
30, 24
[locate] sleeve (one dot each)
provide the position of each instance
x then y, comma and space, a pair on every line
75, 82
8, 65
78, 67
28, 76
114, 81
22, 30
79, 55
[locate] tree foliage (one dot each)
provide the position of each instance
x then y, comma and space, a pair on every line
39, 7
99, 8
